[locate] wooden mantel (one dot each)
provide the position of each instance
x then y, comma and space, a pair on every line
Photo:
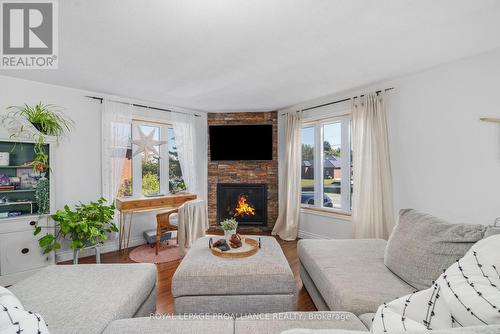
141, 204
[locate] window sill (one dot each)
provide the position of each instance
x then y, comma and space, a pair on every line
346, 215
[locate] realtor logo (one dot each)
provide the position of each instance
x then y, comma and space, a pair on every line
29, 35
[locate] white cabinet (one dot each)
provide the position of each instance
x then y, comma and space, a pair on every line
19, 251
20, 254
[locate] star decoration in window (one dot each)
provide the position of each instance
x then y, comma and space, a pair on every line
147, 144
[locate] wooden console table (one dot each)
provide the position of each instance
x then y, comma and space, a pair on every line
130, 205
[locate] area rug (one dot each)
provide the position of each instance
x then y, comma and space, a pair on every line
146, 254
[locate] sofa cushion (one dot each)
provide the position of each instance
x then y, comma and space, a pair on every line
458, 330
466, 294
421, 246
367, 319
167, 324
350, 274
14, 319
86, 298
271, 323
322, 331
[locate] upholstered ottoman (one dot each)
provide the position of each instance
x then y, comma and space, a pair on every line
261, 283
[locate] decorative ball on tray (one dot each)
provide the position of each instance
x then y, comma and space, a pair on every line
235, 241
222, 245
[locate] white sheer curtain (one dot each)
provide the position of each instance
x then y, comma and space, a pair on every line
190, 141
372, 208
287, 224
116, 127
185, 141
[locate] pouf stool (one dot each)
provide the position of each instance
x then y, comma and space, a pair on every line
261, 283
150, 237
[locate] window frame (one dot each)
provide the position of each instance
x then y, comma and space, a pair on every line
345, 155
163, 158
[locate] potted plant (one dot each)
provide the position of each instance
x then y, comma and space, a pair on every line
42, 196
46, 118
85, 226
229, 226
49, 121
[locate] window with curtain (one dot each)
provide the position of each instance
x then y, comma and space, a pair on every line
151, 174
326, 168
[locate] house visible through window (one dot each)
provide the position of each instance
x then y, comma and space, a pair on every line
153, 173
326, 164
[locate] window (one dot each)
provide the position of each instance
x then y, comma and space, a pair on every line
151, 174
326, 164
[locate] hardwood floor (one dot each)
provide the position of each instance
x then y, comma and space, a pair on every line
165, 301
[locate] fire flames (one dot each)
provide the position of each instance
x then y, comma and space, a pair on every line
243, 208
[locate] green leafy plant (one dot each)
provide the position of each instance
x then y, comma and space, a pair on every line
87, 225
150, 184
49, 121
229, 224
46, 118
42, 196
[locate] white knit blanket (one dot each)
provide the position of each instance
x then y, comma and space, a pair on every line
192, 223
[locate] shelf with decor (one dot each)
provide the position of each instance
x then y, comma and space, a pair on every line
20, 254
14, 167
28, 137
16, 191
19, 186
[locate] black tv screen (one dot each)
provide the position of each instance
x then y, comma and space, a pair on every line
241, 142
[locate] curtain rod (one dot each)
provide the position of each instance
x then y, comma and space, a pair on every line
142, 106
338, 101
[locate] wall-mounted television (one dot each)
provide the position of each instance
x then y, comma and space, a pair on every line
241, 142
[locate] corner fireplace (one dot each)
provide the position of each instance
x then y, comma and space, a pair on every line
247, 203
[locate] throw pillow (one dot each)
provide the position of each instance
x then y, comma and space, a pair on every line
466, 294
14, 319
421, 246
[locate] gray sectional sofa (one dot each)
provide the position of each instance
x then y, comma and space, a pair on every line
359, 275
347, 280
87, 298
348, 275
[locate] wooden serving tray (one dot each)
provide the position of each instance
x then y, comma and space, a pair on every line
249, 248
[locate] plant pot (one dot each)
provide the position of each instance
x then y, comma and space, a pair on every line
38, 126
228, 234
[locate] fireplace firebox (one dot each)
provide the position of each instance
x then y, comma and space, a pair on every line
247, 203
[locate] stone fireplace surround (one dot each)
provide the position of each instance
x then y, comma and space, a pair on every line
245, 171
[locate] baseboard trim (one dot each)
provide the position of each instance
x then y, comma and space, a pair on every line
308, 235
109, 246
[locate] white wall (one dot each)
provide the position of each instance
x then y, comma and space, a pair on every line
444, 160
78, 159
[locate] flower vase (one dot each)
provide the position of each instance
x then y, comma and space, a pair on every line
228, 234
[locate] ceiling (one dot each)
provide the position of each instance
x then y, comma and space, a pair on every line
242, 55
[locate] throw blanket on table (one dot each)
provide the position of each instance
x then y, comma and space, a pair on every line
192, 223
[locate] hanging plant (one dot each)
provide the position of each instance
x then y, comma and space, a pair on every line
42, 196
48, 120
